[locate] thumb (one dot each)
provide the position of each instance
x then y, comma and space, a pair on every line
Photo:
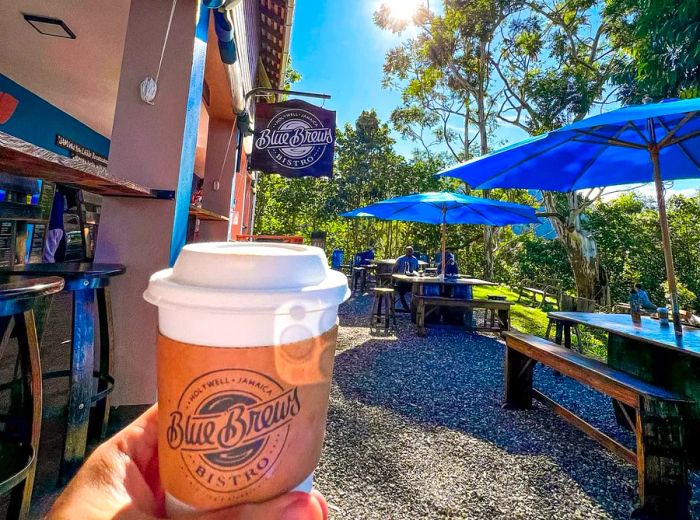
291, 506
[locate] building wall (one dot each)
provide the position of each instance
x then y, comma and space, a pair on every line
146, 147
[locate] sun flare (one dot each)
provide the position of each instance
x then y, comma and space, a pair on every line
402, 10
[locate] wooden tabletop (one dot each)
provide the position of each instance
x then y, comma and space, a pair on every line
648, 331
392, 261
437, 280
66, 270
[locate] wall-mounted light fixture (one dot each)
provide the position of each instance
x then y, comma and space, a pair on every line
49, 26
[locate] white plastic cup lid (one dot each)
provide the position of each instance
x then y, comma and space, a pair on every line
243, 276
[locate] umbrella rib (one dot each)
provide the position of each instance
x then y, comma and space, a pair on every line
640, 133
526, 159
608, 140
669, 136
683, 149
400, 210
684, 138
488, 222
592, 160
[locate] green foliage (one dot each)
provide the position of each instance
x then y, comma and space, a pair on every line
628, 235
291, 76
659, 45
534, 258
531, 320
367, 169
686, 298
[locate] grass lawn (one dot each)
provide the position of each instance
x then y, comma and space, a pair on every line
534, 321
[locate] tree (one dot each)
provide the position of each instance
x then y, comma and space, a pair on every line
659, 44
367, 169
444, 74
627, 232
554, 60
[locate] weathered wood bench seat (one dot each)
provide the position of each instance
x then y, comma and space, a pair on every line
660, 455
530, 288
497, 317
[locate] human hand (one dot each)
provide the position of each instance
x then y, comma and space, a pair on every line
120, 480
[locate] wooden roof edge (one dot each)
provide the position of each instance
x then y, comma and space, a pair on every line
285, 34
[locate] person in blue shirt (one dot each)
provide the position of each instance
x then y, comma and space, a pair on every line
644, 300
405, 264
451, 268
367, 256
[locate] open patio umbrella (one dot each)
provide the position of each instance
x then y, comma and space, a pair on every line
644, 143
447, 208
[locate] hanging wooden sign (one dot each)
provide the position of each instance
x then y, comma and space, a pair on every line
293, 139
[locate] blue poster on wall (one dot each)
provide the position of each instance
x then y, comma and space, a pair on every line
28, 117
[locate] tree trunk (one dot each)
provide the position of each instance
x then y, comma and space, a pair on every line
490, 233
580, 248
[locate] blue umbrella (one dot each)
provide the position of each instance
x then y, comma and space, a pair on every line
643, 143
447, 208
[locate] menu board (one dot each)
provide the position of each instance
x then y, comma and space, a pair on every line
7, 243
36, 254
46, 199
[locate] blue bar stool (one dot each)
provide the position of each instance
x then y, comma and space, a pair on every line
19, 441
89, 284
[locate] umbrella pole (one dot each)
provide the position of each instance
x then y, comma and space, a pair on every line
443, 229
666, 242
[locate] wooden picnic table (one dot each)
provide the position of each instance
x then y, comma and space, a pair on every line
449, 281
447, 287
392, 261
651, 352
384, 269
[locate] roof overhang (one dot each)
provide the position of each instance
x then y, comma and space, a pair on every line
276, 17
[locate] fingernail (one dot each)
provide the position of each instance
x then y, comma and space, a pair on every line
299, 508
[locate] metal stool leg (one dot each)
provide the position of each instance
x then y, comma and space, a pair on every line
80, 389
102, 407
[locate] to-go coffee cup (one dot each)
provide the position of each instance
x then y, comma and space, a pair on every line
246, 345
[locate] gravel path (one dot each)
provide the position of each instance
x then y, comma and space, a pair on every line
416, 431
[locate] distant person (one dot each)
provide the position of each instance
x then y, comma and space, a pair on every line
404, 265
643, 297
451, 268
367, 257
55, 237
407, 263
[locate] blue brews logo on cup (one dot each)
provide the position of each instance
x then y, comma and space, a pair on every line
230, 427
295, 138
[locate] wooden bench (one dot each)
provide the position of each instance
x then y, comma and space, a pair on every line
530, 288
497, 316
660, 455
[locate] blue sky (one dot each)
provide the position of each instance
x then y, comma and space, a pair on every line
339, 51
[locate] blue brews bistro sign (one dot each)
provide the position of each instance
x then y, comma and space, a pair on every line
293, 139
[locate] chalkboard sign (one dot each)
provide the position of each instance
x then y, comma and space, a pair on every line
7, 243
36, 253
46, 199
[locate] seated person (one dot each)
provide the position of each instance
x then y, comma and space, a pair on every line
451, 268
644, 300
405, 264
